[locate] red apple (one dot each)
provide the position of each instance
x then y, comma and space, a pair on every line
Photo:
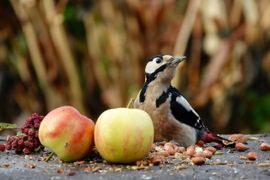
67, 133
124, 135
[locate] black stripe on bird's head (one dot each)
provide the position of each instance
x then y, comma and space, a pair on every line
159, 64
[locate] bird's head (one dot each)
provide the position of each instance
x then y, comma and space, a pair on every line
162, 67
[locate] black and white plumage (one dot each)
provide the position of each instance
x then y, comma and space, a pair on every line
172, 115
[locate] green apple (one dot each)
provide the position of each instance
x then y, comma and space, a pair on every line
124, 135
67, 133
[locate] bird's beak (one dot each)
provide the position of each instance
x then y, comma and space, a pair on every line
177, 60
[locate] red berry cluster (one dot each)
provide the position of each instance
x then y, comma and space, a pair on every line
28, 141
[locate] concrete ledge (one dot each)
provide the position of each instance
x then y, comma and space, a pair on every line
227, 164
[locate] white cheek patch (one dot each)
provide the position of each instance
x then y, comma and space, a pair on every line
151, 67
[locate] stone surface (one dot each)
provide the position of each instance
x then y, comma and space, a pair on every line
226, 164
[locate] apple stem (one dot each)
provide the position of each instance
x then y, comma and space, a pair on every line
130, 103
49, 157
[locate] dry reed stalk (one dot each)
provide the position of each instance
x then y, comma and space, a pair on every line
195, 61
184, 35
36, 56
111, 55
93, 41
59, 38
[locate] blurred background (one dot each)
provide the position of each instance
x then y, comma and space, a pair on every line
91, 54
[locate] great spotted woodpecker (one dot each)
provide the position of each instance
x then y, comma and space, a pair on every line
172, 115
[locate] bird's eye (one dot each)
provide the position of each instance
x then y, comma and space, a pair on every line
158, 60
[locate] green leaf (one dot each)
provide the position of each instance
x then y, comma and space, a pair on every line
7, 126
20, 134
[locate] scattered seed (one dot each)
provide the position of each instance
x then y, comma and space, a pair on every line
219, 163
96, 169
253, 138
139, 163
28, 157
87, 169
118, 170
264, 164
219, 153
77, 163
180, 167
60, 170
243, 157
5, 166
198, 149
30, 165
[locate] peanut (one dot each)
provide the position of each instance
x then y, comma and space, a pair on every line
208, 154
264, 147
198, 160
252, 156
169, 148
190, 150
238, 138
240, 147
180, 149
212, 149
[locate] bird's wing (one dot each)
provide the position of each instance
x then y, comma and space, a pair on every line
182, 110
